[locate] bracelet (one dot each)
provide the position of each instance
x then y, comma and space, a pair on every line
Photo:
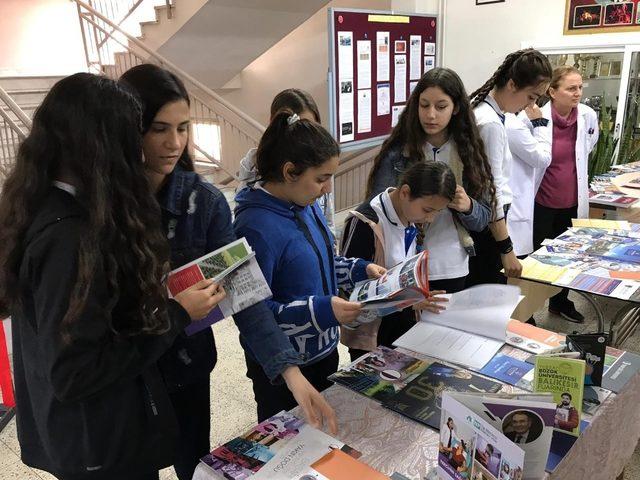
505, 246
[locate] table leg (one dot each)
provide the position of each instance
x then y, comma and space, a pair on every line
596, 306
623, 324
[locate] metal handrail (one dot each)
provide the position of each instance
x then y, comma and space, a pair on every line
163, 60
17, 111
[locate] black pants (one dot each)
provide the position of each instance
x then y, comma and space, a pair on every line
486, 265
549, 223
192, 404
273, 398
394, 326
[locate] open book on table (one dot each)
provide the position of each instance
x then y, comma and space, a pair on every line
470, 331
235, 266
402, 286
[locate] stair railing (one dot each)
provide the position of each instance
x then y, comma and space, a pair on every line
11, 134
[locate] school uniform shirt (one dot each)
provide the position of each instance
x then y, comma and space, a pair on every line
396, 249
490, 120
294, 248
447, 256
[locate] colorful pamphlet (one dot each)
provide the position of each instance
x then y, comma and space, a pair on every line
523, 418
402, 286
283, 447
337, 465
236, 267
619, 200
421, 399
564, 378
506, 369
471, 447
380, 374
470, 331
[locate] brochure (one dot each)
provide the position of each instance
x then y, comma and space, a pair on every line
280, 448
337, 465
523, 418
615, 200
564, 378
593, 398
592, 347
470, 447
506, 369
533, 339
561, 443
619, 368
402, 286
380, 374
421, 399
470, 331
236, 267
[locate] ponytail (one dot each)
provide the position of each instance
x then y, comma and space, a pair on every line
288, 138
526, 68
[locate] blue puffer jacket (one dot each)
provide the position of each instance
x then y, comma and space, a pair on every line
294, 248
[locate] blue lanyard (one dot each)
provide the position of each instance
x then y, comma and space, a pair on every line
410, 234
500, 114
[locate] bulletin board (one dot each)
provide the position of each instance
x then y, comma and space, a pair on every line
375, 60
601, 16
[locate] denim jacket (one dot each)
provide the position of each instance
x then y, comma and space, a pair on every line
197, 220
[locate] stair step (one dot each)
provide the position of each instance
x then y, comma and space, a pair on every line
20, 83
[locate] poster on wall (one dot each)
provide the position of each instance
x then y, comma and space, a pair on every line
382, 56
601, 16
345, 61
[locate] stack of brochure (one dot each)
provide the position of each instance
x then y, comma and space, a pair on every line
284, 447
236, 267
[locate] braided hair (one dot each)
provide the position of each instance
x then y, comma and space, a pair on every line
526, 68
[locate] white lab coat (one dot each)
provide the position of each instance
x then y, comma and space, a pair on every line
586, 139
531, 153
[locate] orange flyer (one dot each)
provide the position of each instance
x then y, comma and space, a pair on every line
337, 465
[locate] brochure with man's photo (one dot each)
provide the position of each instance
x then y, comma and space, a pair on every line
471, 447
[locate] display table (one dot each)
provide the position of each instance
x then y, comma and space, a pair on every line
392, 443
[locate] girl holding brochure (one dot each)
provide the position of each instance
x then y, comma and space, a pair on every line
279, 217
437, 125
81, 271
521, 79
385, 230
197, 220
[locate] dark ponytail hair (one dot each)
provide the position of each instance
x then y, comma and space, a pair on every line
409, 135
155, 87
295, 100
289, 139
526, 68
433, 178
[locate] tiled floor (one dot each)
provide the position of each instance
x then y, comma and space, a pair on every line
232, 402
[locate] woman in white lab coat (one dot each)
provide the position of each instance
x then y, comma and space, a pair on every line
563, 191
529, 139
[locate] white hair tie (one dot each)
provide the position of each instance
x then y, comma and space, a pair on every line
293, 119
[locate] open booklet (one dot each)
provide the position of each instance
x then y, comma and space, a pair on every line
236, 267
402, 286
495, 436
284, 447
470, 331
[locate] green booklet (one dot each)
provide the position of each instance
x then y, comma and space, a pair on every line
564, 378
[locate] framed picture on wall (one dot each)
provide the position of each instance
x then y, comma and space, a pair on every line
601, 16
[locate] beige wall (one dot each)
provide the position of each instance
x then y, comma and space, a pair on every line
299, 60
477, 38
40, 37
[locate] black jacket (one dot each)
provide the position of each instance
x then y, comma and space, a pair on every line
96, 406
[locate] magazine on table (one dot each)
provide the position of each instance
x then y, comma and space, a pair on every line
283, 447
471, 329
235, 267
402, 286
380, 374
533, 339
619, 200
421, 399
619, 368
